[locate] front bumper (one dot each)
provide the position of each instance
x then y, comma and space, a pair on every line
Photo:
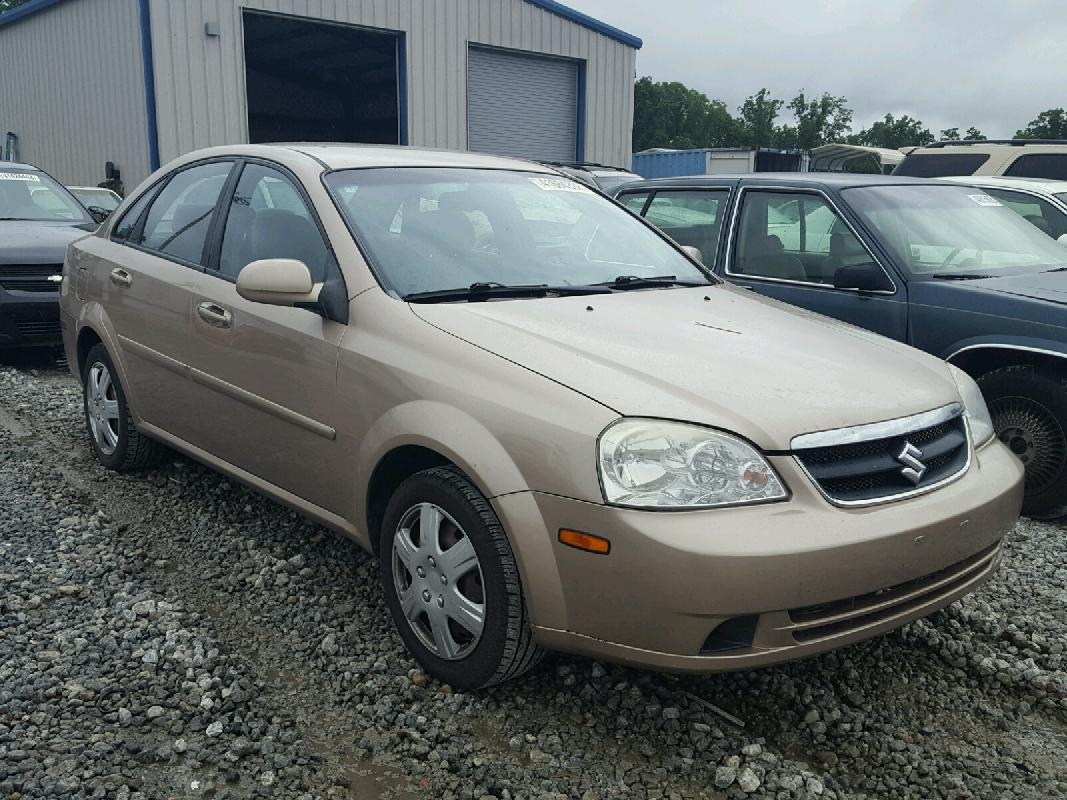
735, 588
29, 319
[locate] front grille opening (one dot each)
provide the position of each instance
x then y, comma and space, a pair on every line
928, 586
736, 633
29, 277
866, 471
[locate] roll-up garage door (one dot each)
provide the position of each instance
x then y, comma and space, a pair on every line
522, 105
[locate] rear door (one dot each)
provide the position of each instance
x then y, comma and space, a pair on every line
788, 244
267, 397
152, 269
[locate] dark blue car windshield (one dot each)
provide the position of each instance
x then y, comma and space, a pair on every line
953, 231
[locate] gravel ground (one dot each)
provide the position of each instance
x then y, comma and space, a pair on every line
172, 635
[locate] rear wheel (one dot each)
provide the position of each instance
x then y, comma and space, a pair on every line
116, 442
1029, 412
452, 584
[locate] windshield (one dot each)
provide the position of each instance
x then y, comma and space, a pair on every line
953, 231
35, 196
101, 198
436, 229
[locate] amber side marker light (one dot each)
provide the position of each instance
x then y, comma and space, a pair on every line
585, 541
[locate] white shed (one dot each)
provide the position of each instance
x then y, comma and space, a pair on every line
138, 82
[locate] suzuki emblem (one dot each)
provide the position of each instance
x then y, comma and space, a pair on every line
913, 468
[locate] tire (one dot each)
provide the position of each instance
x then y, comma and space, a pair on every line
1029, 412
438, 594
114, 439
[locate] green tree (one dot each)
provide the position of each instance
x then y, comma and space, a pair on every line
974, 135
950, 135
893, 133
758, 115
673, 115
819, 121
1051, 124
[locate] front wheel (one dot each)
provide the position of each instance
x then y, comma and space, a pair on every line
1029, 413
452, 584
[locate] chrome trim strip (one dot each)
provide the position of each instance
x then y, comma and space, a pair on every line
992, 346
230, 390
735, 217
876, 430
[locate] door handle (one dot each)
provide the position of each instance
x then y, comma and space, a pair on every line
214, 314
121, 277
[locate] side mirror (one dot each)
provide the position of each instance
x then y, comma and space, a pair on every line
98, 214
693, 252
868, 277
278, 282
1062, 238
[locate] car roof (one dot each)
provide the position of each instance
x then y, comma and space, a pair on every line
821, 180
18, 165
343, 155
995, 181
995, 146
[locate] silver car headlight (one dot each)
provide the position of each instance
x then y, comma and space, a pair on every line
648, 463
974, 407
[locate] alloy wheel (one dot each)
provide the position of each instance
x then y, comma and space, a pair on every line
1033, 433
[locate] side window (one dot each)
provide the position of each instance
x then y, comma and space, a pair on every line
269, 219
1039, 165
793, 236
690, 218
128, 222
1039, 213
180, 216
634, 201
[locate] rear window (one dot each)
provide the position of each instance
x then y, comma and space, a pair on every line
1039, 165
940, 165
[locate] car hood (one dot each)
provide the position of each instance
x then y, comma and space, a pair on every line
718, 356
31, 242
1050, 286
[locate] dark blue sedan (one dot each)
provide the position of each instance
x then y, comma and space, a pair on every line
945, 268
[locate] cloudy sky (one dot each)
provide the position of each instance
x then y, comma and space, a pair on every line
994, 64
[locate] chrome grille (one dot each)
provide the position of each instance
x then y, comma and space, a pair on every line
29, 277
869, 470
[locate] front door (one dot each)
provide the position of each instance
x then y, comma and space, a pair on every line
269, 400
789, 245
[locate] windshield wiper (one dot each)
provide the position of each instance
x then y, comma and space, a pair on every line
624, 282
1057, 269
959, 276
492, 291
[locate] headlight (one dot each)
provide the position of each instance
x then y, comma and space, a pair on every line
647, 463
974, 407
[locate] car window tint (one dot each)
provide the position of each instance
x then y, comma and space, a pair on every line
268, 218
1038, 212
634, 201
938, 165
793, 236
691, 218
178, 221
125, 226
1039, 165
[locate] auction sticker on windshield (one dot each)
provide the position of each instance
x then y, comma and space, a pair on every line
984, 200
19, 176
559, 185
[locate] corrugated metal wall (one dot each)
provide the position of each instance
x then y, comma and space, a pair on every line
72, 88
200, 79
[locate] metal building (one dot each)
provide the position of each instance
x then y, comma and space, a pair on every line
138, 82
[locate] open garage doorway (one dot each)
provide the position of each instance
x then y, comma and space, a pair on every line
315, 81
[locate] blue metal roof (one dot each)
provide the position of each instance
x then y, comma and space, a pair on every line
586, 21
551, 6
